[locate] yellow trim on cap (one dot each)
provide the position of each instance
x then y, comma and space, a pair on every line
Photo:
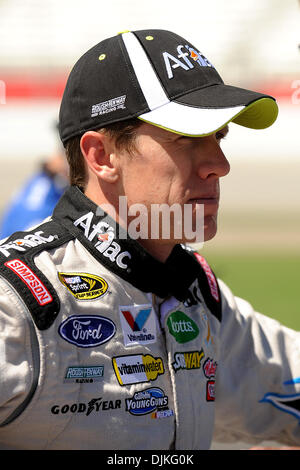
260, 114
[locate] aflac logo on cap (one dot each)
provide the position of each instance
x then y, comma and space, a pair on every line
86, 331
172, 62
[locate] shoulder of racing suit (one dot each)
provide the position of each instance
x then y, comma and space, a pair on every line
17, 266
76, 217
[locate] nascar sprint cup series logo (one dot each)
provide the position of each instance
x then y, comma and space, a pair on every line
84, 286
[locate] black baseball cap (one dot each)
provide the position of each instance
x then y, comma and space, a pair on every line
160, 78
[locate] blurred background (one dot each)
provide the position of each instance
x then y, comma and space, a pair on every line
253, 44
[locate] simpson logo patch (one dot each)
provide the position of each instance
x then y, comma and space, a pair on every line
33, 283
137, 368
84, 286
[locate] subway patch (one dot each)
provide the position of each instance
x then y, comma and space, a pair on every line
187, 360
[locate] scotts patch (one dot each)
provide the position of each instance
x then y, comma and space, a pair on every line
38, 289
148, 401
137, 368
187, 360
86, 331
28, 241
186, 59
182, 327
103, 235
84, 286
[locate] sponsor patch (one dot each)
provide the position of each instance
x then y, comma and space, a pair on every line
182, 327
109, 106
187, 360
104, 235
137, 368
210, 390
86, 331
186, 59
95, 405
138, 324
84, 374
84, 286
210, 368
37, 288
148, 401
212, 282
287, 403
28, 241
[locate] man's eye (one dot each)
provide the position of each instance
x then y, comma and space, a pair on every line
220, 135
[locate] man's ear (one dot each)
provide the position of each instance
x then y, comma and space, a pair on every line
99, 152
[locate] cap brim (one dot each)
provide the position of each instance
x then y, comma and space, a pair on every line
205, 111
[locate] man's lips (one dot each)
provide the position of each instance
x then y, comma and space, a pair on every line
206, 200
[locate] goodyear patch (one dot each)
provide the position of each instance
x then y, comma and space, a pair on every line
137, 368
84, 286
187, 360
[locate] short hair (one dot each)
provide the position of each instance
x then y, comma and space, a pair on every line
123, 133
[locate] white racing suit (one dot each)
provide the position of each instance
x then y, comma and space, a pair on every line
104, 347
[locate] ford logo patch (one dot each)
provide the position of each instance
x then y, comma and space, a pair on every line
86, 331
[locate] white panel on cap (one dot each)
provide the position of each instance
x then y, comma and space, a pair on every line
147, 78
188, 120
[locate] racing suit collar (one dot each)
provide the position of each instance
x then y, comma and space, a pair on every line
112, 246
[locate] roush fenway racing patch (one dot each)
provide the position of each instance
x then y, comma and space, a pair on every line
38, 289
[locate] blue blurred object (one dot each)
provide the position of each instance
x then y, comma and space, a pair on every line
33, 203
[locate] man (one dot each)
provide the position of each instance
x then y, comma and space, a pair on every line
115, 341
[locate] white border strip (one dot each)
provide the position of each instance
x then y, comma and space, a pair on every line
146, 76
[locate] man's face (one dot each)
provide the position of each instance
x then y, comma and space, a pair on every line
167, 168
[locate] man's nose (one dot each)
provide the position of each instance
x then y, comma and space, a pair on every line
213, 162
